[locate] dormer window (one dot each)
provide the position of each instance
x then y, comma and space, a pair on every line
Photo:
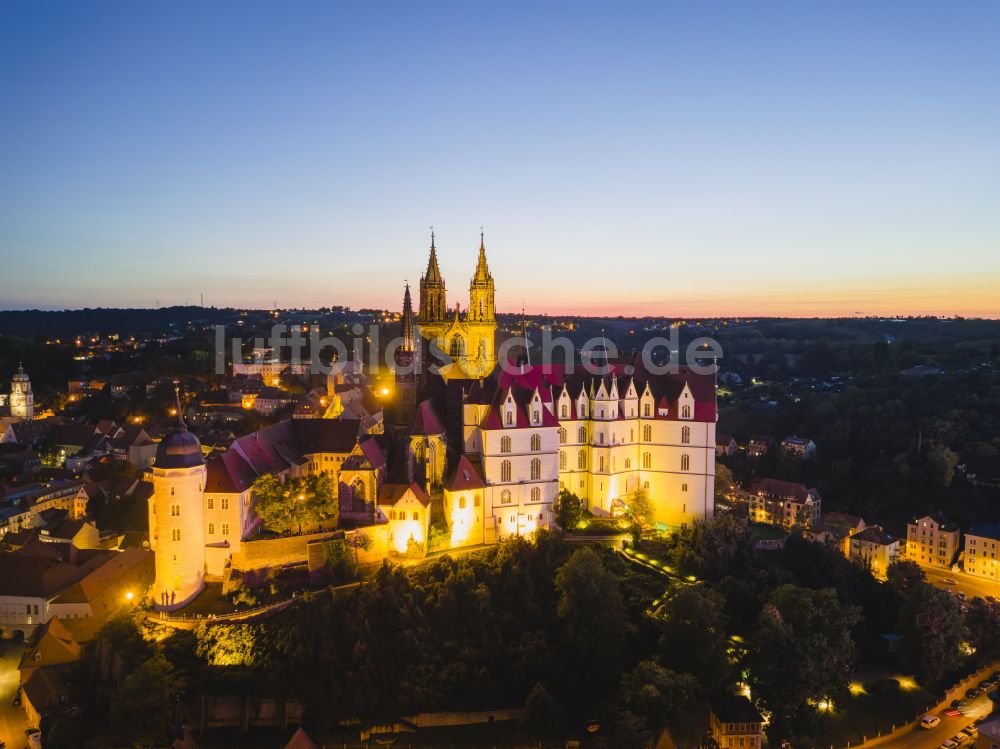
510, 418
685, 412
647, 410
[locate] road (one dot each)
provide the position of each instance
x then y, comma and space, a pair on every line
971, 586
12, 721
921, 738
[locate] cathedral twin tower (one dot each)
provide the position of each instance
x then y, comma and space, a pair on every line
468, 339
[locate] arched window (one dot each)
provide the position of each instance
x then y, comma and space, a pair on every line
685, 435
211, 529
536, 443
583, 410
647, 460
505, 444
536, 469
358, 487
581, 459
536, 494
685, 462
505, 471
457, 347
475, 500
581, 434
628, 463
505, 497
686, 412
647, 410
461, 503
562, 436
684, 487
647, 433
564, 411
510, 418
562, 460
601, 464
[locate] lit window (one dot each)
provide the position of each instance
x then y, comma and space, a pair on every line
505, 444
505, 471
685, 435
536, 469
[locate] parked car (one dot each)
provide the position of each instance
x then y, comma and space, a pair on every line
984, 685
947, 744
959, 739
930, 721
971, 731
950, 581
974, 692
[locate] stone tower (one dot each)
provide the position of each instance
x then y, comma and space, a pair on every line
482, 307
407, 323
22, 400
433, 306
177, 518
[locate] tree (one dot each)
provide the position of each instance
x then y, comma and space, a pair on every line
640, 507
659, 696
942, 462
286, 505
591, 606
142, 707
341, 559
983, 622
932, 629
724, 480
904, 575
693, 637
800, 652
569, 510
543, 719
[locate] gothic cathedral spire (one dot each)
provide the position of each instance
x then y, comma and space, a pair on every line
481, 302
433, 307
407, 322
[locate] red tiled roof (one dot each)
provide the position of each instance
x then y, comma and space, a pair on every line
391, 494
468, 475
426, 421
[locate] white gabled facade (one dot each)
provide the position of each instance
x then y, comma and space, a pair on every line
602, 438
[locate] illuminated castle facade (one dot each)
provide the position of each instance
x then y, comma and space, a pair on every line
468, 339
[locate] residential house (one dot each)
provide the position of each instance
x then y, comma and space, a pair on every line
799, 447
408, 510
725, 444
982, 544
837, 529
784, 503
734, 723
875, 550
759, 445
463, 502
931, 541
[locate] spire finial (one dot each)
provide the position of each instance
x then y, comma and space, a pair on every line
177, 397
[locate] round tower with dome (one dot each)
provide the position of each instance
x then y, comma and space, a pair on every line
177, 518
22, 400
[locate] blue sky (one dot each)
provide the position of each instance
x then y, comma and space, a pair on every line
662, 158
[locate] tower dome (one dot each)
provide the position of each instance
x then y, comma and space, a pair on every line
179, 449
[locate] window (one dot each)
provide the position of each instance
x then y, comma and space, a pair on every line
461, 503
175, 510
536, 469
562, 460
505, 444
510, 418
646, 410
685, 435
505, 471
225, 503
505, 497
536, 495
225, 529
581, 434
392, 514
211, 529
564, 411
601, 464
583, 410
175, 534
685, 462
647, 460
457, 349
601, 438
475, 501
211, 503
684, 487
416, 516
536, 443
562, 436
536, 416
686, 412
628, 463
171, 491
647, 433
581, 460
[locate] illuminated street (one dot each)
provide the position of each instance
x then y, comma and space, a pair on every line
971, 586
920, 738
12, 721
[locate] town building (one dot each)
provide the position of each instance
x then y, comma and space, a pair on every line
837, 529
784, 503
874, 549
725, 445
981, 546
931, 541
759, 445
799, 447
22, 400
735, 723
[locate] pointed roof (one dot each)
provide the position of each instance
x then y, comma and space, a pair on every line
433, 274
426, 421
482, 269
407, 302
300, 740
468, 475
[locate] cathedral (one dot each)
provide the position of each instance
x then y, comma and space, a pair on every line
469, 339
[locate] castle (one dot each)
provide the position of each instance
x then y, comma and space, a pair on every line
493, 445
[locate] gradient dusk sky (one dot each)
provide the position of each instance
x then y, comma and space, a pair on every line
799, 158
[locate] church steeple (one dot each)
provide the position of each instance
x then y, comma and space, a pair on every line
481, 304
433, 307
407, 322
